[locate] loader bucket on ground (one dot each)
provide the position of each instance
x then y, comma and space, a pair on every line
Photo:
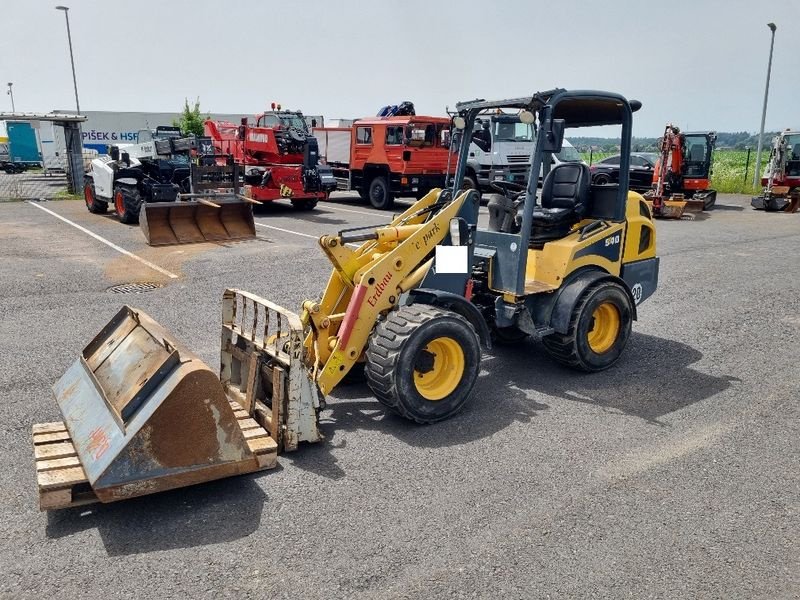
670, 209
142, 414
694, 206
185, 222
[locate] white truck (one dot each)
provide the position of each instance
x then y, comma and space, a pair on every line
501, 150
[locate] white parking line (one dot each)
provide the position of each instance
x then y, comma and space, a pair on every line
106, 242
357, 212
313, 237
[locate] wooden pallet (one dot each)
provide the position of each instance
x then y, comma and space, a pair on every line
62, 482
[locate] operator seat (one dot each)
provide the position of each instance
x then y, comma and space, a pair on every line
565, 193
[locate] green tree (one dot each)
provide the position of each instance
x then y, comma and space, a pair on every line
191, 121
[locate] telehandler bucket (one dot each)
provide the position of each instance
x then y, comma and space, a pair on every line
192, 221
142, 414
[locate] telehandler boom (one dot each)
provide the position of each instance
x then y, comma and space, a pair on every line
413, 304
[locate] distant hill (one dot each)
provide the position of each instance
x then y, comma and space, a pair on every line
738, 140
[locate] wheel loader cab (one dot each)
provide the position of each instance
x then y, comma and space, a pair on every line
545, 257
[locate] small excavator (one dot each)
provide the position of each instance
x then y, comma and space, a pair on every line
682, 176
411, 304
782, 178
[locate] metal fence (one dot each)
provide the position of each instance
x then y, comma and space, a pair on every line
32, 184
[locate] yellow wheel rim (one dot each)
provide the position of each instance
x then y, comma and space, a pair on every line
439, 369
605, 328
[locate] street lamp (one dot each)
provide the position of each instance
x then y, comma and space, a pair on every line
757, 174
71, 58
11, 93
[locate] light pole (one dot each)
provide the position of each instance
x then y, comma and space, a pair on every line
757, 173
71, 58
11, 93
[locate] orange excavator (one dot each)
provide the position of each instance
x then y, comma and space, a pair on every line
682, 177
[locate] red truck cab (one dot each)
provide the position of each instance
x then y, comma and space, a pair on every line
386, 157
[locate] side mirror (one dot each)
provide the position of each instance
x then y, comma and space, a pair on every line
113, 152
554, 136
126, 158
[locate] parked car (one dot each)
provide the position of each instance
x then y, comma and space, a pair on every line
641, 170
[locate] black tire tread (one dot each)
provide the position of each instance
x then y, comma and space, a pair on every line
98, 207
133, 203
389, 202
385, 345
304, 204
562, 347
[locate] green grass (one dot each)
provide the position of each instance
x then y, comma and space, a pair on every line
727, 175
65, 195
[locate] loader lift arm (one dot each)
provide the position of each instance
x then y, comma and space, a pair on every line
366, 283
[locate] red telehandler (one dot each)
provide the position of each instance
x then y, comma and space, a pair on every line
279, 156
682, 176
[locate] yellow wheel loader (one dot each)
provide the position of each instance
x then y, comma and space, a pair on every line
412, 303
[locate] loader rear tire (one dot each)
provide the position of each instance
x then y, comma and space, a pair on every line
304, 204
422, 362
95, 206
127, 203
598, 330
379, 195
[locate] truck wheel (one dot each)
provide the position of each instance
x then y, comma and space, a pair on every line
94, 205
422, 362
379, 195
601, 179
599, 328
127, 203
470, 183
305, 204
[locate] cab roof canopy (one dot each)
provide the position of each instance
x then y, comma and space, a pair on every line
578, 108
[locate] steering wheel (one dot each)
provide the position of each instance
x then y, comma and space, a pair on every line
508, 188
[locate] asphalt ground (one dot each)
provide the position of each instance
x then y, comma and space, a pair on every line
672, 475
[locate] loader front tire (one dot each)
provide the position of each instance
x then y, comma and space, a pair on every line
95, 206
599, 328
127, 203
422, 362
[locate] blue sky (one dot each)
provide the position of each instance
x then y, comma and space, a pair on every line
700, 64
